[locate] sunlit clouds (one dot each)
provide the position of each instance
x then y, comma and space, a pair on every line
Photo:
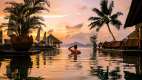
68, 20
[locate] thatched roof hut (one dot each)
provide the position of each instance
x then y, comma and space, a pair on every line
132, 40
53, 41
134, 18
116, 44
133, 35
112, 44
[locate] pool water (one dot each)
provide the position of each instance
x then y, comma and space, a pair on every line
56, 65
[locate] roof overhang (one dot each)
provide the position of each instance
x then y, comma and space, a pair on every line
135, 14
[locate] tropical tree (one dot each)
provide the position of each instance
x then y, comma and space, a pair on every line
23, 18
105, 16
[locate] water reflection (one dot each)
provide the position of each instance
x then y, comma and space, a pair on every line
97, 70
48, 55
19, 67
133, 60
55, 65
117, 65
93, 56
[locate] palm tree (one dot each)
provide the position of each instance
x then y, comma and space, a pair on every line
105, 16
23, 18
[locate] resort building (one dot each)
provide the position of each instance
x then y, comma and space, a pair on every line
53, 41
133, 40
134, 18
1, 37
49, 41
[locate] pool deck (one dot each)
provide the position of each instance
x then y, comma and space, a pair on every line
121, 50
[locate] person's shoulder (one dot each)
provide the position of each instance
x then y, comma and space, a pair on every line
71, 50
78, 51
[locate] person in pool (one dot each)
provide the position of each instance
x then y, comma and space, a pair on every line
74, 52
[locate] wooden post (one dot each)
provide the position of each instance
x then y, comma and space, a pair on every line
139, 27
1, 37
140, 37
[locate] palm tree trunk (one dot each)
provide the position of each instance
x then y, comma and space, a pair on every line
111, 32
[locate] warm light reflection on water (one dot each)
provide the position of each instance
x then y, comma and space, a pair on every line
56, 65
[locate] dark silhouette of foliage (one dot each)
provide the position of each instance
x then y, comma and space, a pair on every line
105, 16
22, 16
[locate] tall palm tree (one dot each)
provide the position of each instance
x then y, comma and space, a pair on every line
105, 16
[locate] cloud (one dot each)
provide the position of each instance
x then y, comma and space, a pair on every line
74, 31
55, 16
79, 37
83, 8
50, 31
74, 28
70, 12
46, 15
71, 30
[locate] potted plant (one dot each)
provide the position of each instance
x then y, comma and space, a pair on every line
22, 20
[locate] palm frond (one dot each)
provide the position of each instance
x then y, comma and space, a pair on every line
104, 7
17, 11
38, 8
34, 10
21, 18
38, 18
3, 25
92, 25
115, 16
98, 12
110, 8
37, 2
116, 23
94, 18
12, 3
13, 18
98, 29
12, 24
97, 23
32, 23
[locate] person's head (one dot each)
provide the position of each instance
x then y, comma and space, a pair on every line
75, 46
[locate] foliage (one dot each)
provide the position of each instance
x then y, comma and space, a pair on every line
22, 16
105, 16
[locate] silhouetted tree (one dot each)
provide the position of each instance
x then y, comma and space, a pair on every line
105, 16
23, 19
22, 16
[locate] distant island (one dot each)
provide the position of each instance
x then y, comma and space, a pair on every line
78, 43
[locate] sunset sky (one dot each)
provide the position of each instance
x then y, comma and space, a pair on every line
68, 19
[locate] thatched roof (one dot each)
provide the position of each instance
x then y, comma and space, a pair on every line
132, 39
132, 43
135, 13
133, 35
53, 38
116, 44
112, 44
